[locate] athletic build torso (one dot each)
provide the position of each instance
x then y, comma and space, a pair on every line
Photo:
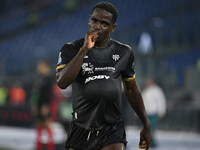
97, 88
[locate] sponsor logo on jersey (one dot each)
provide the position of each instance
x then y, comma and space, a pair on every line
88, 67
59, 58
112, 69
98, 77
115, 57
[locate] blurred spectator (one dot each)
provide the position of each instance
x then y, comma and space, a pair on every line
17, 94
41, 97
3, 94
155, 104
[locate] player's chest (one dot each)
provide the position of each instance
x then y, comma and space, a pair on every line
101, 62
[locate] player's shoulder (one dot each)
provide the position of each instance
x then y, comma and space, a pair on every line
75, 45
122, 46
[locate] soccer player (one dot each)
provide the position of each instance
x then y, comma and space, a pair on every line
95, 66
41, 97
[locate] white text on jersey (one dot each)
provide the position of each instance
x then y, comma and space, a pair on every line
96, 78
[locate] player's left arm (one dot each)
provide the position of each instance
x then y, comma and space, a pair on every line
134, 97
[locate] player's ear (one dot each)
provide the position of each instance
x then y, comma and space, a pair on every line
113, 27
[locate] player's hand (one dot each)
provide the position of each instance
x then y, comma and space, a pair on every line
145, 138
90, 39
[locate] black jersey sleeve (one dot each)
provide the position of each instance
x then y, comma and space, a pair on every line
67, 53
129, 72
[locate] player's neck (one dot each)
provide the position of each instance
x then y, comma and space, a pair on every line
103, 43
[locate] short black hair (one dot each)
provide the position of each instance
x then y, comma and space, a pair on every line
109, 8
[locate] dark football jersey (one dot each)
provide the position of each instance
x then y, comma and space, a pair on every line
98, 87
44, 85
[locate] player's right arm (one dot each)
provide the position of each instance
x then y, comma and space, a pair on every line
66, 75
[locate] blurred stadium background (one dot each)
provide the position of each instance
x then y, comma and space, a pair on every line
164, 34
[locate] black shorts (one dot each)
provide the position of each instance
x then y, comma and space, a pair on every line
82, 139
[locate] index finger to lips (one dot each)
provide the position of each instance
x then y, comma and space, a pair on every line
93, 37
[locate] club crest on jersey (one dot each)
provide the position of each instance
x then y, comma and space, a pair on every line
87, 67
115, 57
59, 58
